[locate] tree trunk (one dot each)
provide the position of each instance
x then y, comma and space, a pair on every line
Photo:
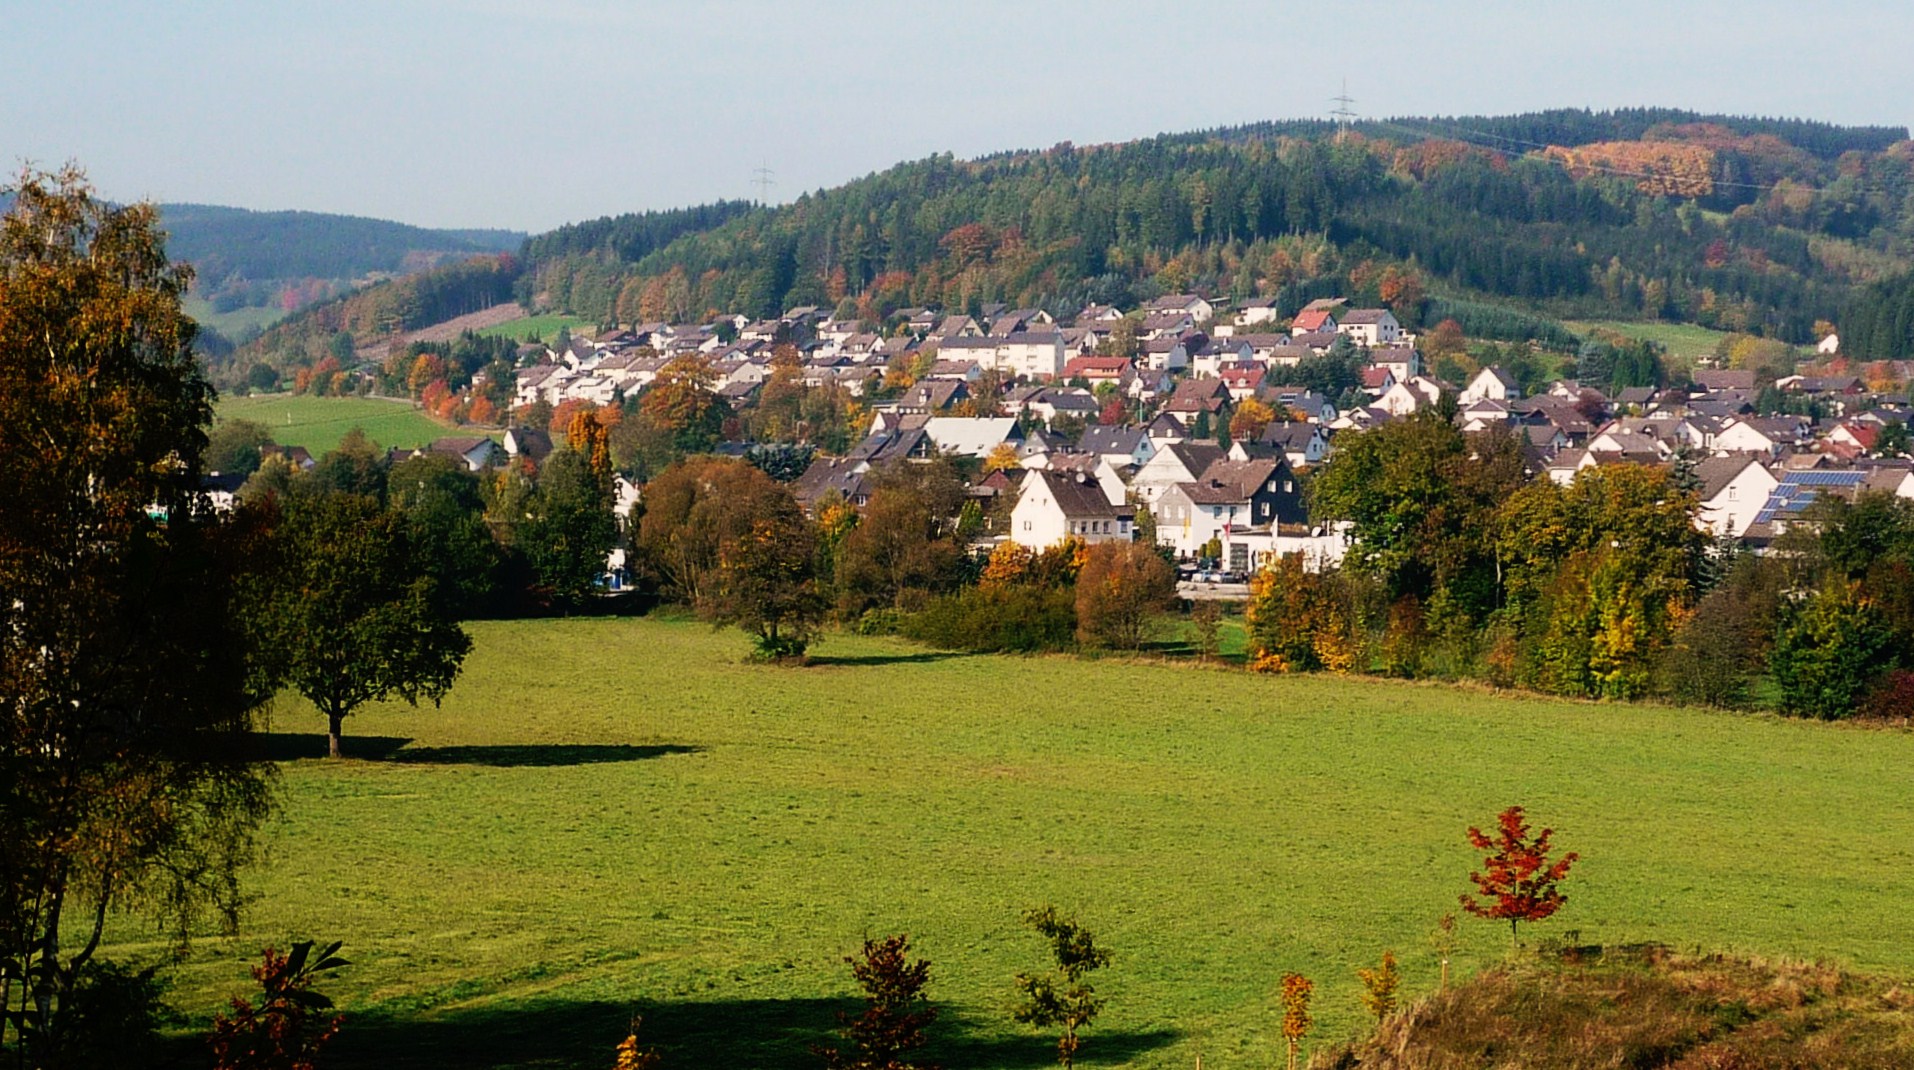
332, 735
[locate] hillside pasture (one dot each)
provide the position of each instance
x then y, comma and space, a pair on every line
1685, 343
619, 816
319, 423
543, 327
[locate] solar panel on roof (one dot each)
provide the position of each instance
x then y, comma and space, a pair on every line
1822, 478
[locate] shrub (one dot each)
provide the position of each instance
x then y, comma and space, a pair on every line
112, 1017
879, 622
1017, 618
1890, 699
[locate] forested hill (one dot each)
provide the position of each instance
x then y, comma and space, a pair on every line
1754, 224
337, 326
285, 245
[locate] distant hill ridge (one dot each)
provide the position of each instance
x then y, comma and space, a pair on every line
300, 244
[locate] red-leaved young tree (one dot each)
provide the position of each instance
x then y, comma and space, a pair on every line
1517, 882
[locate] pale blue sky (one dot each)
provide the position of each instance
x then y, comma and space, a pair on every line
526, 115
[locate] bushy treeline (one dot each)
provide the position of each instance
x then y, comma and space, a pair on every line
1461, 567
1174, 212
1497, 323
720, 536
1583, 126
508, 541
1879, 323
634, 235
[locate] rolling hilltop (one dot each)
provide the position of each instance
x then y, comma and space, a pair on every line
253, 268
1504, 224
1741, 223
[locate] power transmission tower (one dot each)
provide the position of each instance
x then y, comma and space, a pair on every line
1342, 110
763, 178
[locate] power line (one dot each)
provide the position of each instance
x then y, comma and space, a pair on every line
763, 178
1344, 115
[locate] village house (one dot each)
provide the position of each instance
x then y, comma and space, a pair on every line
1229, 495
1769, 436
1191, 305
475, 452
1490, 384
1052, 506
1302, 445
1313, 321
1255, 311
1121, 446
1404, 362
1167, 354
1733, 490
1410, 396
1174, 462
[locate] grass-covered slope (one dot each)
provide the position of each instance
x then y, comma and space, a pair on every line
319, 423
1651, 1008
610, 816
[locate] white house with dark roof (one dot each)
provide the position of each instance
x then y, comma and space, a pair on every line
1733, 490
1370, 326
1175, 462
1492, 383
1052, 506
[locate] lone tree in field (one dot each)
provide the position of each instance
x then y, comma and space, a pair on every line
1066, 1001
1296, 1020
361, 621
767, 583
1121, 589
892, 1027
1517, 882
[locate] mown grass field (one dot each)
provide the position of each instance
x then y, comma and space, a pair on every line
239, 324
1684, 342
319, 423
545, 327
614, 816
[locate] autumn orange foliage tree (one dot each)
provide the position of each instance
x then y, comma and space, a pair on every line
1296, 1019
1517, 882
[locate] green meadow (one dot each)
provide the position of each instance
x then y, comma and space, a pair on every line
1685, 343
319, 423
611, 817
545, 328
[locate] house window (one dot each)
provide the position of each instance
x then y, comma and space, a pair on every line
1288, 486
1731, 493
1026, 525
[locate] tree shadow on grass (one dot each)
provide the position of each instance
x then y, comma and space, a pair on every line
538, 756
922, 657
766, 1033
294, 746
